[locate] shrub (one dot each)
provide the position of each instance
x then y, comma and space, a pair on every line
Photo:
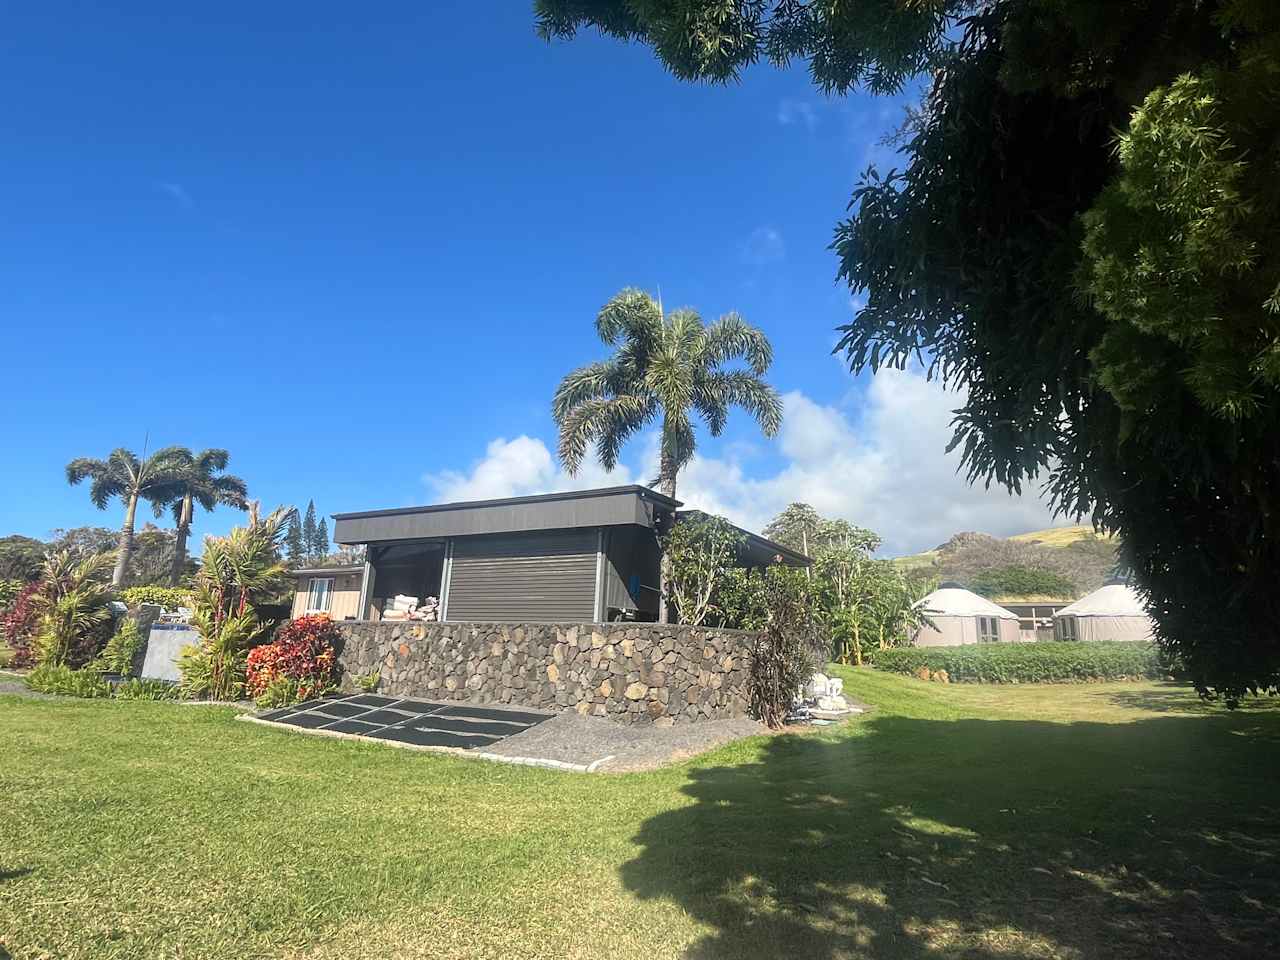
1046, 662
62, 680
782, 656
138, 689
303, 653
368, 682
168, 597
18, 626
9, 590
122, 649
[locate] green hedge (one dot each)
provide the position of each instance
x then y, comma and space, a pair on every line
1044, 662
168, 597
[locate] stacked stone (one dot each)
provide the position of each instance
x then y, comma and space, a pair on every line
626, 672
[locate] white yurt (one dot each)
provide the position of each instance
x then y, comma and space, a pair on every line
1112, 612
960, 616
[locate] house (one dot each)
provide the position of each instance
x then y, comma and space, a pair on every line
1114, 611
959, 616
1035, 614
580, 556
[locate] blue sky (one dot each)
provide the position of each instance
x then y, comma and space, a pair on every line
358, 247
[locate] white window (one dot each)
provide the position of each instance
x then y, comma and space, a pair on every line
319, 594
1066, 628
988, 630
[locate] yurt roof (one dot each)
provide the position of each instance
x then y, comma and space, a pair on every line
955, 601
1112, 600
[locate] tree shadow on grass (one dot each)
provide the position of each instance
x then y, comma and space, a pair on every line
1180, 698
977, 838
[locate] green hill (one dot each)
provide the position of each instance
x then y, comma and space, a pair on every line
1061, 562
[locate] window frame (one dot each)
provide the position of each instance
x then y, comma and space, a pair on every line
309, 607
1065, 635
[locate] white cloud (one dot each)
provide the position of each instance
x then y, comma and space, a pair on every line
888, 472
515, 468
792, 112
763, 245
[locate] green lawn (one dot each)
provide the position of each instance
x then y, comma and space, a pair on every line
1117, 820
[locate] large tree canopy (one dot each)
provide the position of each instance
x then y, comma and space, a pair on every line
1085, 235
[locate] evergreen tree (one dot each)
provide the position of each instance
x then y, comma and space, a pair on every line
309, 529
294, 542
322, 539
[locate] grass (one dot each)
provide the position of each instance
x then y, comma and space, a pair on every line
1113, 820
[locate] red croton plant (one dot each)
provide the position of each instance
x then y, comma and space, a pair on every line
302, 652
18, 625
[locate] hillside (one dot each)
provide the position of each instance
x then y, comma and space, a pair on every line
1059, 563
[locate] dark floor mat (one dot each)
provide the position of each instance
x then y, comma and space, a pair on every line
386, 717
458, 725
416, 706
482, 713
308, 705
354, 726
340, 708
277, 715
308, 720
371, 700
432, 738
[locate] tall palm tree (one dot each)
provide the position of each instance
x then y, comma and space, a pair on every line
123, 475
664, 368
195, 481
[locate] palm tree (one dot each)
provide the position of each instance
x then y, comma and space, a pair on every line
196, 481
123, 475
664, 368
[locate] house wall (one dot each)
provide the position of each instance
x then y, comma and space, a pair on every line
633, 673
344, 604
631, 551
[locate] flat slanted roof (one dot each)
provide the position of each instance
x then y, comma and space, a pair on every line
605, 506
758, 551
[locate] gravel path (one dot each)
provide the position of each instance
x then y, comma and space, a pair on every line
614, 747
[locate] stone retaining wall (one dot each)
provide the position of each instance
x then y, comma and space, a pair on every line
625, 671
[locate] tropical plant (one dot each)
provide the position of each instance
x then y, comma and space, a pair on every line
701, 549
1081, 235
664, 368
59, 679
122, 649
145, 689
367, 682
122, 475
197, 478
298, 663
237, 573
782, 653
18, 624
73, 607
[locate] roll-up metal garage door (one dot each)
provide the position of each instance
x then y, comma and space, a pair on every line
539, 577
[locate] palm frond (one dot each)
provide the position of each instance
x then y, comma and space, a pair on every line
631, 315
731, 337
82, 468
591, 382
738, 388
607, 422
